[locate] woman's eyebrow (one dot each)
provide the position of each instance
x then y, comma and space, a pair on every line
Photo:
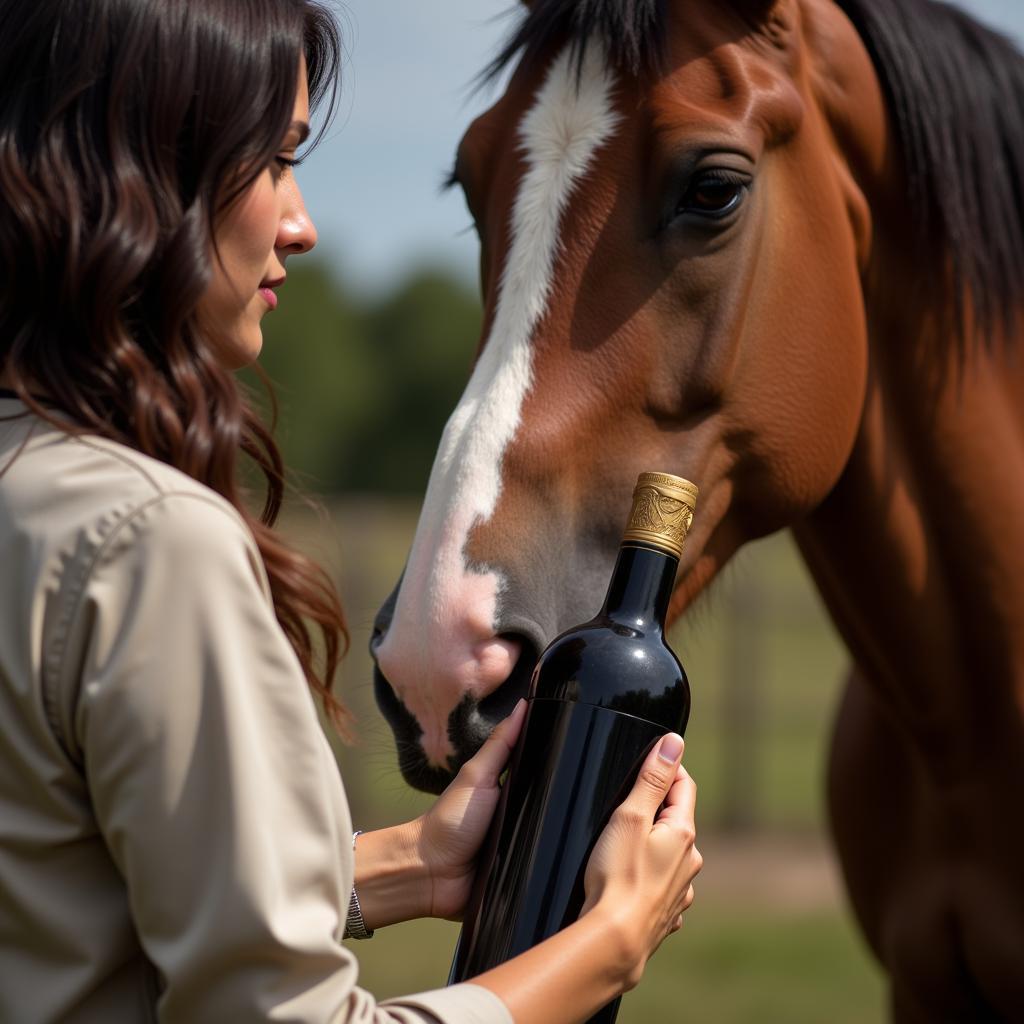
302, 127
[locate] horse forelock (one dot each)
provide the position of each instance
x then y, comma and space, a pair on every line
631, 33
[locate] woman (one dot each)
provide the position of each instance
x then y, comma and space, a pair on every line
174, 840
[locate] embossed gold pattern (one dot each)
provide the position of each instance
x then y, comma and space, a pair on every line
662, 511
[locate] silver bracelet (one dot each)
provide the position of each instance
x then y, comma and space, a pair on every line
355, 926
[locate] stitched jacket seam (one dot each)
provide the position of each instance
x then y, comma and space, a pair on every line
53, 661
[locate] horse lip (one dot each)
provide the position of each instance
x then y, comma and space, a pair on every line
412, 761
469, 722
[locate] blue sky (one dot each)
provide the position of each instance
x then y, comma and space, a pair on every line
373, 185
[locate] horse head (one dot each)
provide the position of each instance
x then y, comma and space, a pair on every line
673, 224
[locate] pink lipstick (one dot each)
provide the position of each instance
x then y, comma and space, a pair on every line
266, 290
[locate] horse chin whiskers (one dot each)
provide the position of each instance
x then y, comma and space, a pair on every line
423, 776
416, 768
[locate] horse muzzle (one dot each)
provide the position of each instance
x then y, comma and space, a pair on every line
443, 699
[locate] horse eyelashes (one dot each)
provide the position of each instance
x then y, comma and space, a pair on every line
713, 194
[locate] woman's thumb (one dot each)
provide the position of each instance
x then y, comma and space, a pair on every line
657, 774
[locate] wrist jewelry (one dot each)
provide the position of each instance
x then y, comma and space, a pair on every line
355, 926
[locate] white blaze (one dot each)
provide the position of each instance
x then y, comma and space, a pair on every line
440, 644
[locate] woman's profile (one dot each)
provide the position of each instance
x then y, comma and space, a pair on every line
175, 842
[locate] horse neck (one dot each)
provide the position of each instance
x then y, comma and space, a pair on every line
919, 549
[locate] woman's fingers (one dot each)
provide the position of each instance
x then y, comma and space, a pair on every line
656, 778
688, 898
680, 803
487, 764
681, 908
646, 856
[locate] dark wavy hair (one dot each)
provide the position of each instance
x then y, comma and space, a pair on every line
127, 127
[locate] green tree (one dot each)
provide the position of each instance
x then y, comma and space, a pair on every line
365, 387
424, 335
318, 356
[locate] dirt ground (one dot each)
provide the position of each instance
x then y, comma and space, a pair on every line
764, 871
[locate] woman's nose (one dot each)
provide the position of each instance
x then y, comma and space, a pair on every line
296, 232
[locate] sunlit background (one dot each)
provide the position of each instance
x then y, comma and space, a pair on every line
369, 352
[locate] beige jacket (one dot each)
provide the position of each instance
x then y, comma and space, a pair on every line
174, 836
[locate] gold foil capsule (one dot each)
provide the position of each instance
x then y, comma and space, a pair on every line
662, 511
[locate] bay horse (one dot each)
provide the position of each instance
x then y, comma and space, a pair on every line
775, 247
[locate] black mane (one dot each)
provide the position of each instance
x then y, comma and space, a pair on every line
955, 90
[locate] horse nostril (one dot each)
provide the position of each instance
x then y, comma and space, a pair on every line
382, 620
493, 662
376, 639
387, 699
499, 703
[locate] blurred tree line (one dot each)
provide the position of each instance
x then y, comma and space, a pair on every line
366, 384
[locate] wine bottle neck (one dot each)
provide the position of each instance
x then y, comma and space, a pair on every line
641, 586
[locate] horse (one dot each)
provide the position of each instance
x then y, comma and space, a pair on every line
775, 247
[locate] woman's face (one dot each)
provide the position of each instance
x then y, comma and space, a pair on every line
266, 225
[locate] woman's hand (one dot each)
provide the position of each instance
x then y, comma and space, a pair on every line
641, 871
453, 830
638, 882
424, 868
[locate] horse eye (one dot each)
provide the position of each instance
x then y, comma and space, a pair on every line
713, 195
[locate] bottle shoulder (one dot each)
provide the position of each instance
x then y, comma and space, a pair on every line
616, 665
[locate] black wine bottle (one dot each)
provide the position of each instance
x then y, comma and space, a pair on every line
602, 694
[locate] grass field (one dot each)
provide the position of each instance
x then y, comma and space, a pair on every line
769, 938
724, 967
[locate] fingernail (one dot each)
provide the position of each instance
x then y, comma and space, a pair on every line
671, 748
517, 711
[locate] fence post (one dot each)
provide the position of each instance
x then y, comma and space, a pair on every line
741, 706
